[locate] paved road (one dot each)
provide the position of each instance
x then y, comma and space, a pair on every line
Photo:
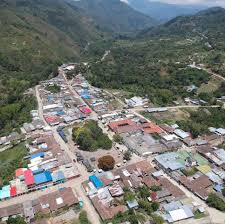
93, 115
76, 184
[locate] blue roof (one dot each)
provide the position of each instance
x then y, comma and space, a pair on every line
43, 177
96, 181
60, 112
37, 171
5, 192
218, 188
39, 154
57, 176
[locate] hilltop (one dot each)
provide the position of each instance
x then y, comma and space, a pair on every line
35, 37
114, 15
163, 11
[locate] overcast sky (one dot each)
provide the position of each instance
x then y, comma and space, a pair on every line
201, 2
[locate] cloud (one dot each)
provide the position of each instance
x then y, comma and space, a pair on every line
195, 2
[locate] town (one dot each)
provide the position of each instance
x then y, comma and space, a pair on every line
89, 149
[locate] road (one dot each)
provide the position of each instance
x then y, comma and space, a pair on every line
215, 215
93, 115
210, 72
76, 184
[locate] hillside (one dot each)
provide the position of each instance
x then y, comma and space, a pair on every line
35, 36
163, 11
208, 23
156, 64
114, 15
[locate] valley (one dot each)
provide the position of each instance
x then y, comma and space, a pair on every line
111, 112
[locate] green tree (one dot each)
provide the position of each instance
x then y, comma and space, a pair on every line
157, 219
127, 155
144, 192
117, 138
216, 202
83, 219
155, 206
17, 220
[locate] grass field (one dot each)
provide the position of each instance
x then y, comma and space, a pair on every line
211, 86
10, 160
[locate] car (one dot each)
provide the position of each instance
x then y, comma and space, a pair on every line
74, 161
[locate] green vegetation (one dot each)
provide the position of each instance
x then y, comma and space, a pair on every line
115, 16
83, 219
10, 160
223, 192
17, 220
156, 188
216, 202
30, 51
157, 219
13, 115
127, 155
106, 163
198, 215
143, 192
54, 89
202, 119
117, 138
189, 171
131, 216
128, 195
90, 137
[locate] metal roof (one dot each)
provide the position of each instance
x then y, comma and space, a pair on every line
43, 177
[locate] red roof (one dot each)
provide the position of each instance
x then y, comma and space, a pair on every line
29, 178
13, 191
151, 128
85, 110
123, 126
51, 119
19, 172
154, 196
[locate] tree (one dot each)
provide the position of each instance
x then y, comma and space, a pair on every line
127, 155
144, 192
156, 188
155, 206
83, 219
117, 138
157, 219
216, 202
223, 192
106, 163
17, 220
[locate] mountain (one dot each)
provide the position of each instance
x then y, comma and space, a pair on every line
114, 15
162, 11
207, 24
36, 36
156, 63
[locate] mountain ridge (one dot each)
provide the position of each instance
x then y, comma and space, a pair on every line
163, 12
114, 15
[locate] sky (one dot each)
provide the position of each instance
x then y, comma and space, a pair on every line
197, 2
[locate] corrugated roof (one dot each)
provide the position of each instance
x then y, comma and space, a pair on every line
40, 154
96, 181
13, 191
43, 177
29, 178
